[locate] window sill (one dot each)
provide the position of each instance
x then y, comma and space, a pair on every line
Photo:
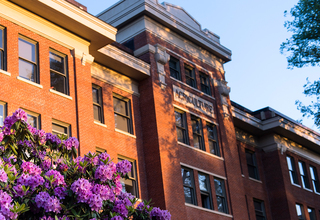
296, 185
318, 193
204, 152
100, 124
5, 72
208, 210
126, 133
194, 89
30, 82
309, 190
60, 94
253, 179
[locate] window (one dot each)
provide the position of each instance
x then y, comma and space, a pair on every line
312, 214
190, 76
213, 139
221, 195
33, 119
304, 175
174, 65
197, 133
28, 59
58, 72
252, 164
259, 209
3, 112
292, 170
122, 114
60, 128
205, 84
315, 179
188, 186
205, 191
97, 103
130, 185
2, 49
181, 125
100, 150
300, 212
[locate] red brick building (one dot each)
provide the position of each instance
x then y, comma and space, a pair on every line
146, 83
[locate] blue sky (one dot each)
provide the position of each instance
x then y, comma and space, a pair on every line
253, 30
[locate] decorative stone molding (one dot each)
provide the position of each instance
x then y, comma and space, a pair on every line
224, 91
246, 137
145, 49
162, 58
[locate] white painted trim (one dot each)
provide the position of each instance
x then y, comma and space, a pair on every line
100, 124
309, 190
255, 180
296, 185
5, 72
126, 59
117, 86
204, 152
60, 94
126, 133
203, 171
145, 49
196, 90
208, 210
29, 82
195, 114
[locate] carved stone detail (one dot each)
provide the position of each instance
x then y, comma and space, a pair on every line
224, 91
162, 58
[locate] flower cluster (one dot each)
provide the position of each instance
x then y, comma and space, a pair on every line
38, 179
124, 167
49, 203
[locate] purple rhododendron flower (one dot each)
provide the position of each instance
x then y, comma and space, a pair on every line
160, 214
3, 176
117, 218
30, 168
58, 178
124, 167
19, 114
105, 172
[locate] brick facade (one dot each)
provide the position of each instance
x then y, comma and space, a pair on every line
153, 143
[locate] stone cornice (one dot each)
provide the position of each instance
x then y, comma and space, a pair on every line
121, 13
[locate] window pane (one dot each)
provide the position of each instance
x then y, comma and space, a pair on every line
59, 129
219, 187
205, 199
1, 60
56, 62
203, 183
312, 214
196, 141
186, 177
289, 163
119, 106
27, 70
1, 38
121, 122
196, 126
178, 117
299, 210
95, 95
58, 82
27, 50
1, 114
32, 120
188, 195
180, 134
213, 147
97, 112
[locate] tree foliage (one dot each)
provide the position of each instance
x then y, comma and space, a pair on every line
303, 49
